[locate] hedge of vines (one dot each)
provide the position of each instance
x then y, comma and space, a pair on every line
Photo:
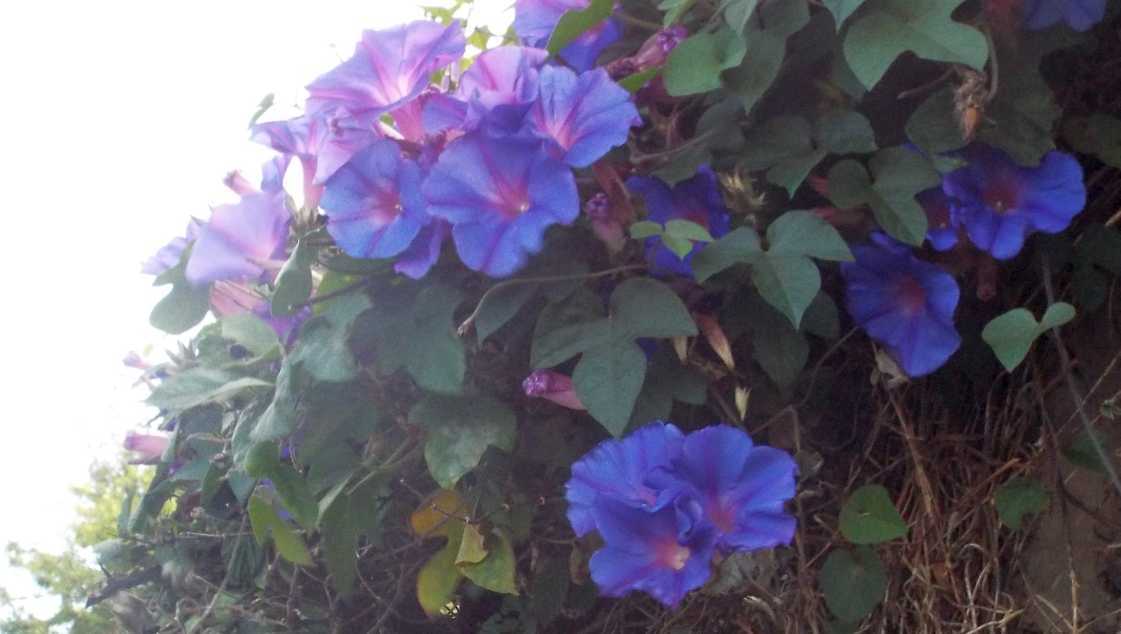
502, 358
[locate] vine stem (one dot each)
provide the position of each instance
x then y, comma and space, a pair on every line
1064, 359
545, 279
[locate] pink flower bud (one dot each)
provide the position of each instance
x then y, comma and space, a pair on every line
605, 222
657, 47
148, 448
239, 184
553, 386
134, 360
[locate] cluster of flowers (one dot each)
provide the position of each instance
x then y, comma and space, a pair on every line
665, 503
399, 163
908, 304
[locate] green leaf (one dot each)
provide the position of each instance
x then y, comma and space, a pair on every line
888, 28
805, 233
1081, 451
262, 461
414, 332
321, 349
780, 350
740, 245
438, 579
567, 328
845, 132
574, 23
250, 331
501, 306
869, 517
199, 385
822, 318
853, 582
688, 230
293, 282
674, 10
900, 174
789, 283
783, 147
459, 430
265, 522
550, 588
1011, 335
495, 571
645, 229
737, 12
678, 246
608, 381
181, 309
933, 127
695, 64
643, 307
634, 83
1098, 135
766, 49
842, 9
339, 540
1019, 497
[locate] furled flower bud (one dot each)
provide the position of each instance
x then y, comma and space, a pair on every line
658, 46
605, 222
148, 448
553, 386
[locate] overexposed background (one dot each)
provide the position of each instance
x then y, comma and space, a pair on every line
119, 119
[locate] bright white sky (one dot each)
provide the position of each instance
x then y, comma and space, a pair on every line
120, 119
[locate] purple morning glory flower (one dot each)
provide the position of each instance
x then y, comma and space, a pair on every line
373, 203
617, 469
241, 241
299, 138
500, 195
534, 21
740, 488
1000, 203
501, 84
665, 553
418, 259
552, 386
904, 303
230, 298
147, 448
585, 115
387, 69
697, 199
1080, 15
942, 225
170, 254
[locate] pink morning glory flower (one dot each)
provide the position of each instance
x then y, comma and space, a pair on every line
500, 194
585, 115
147, 448
388, 68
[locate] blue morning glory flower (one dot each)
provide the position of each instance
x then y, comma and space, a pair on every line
418, 259
242, 241
1080, 15
618, 469
665, 553
500, 194
388, 68
585, 115
1000, 203
499, 87
904, 303
534, 21
697, 199
374, 205
740, 488
170, 254
942, 224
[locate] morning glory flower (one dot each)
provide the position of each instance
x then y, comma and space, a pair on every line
1080, 15
552, 386
500, 195
388, 68
741, 488
585, 115
147, 448
170, 254
500, 85
904, 303
241, 241
418, 259
617, 470
665, 553
373, 203
534, 21
231, 298
1000, 203
697, 199
942, 225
